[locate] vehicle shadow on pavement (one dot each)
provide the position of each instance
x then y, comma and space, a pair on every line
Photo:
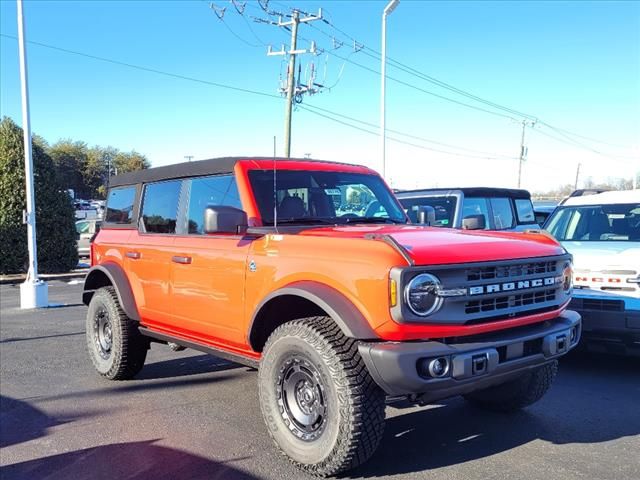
21, 422
26, 339
580, 408
183, 366
131, 460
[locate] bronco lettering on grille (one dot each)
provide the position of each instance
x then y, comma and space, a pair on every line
509, 286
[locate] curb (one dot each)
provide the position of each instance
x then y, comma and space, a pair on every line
17, 279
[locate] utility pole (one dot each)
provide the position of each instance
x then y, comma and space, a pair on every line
291, 92
523, 149
383, 77
33, 292
188, 158
575, 187
295, 21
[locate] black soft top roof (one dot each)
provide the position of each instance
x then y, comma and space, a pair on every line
212, 166
470, 192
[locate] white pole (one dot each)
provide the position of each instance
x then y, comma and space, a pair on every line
383, 80
33, 292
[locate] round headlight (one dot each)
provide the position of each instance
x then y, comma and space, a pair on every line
567, 278
421, 294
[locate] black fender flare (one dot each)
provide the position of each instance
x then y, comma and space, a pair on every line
118, 279
350, 320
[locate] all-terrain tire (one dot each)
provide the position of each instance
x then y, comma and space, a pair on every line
116, 347
516, 394
352, 424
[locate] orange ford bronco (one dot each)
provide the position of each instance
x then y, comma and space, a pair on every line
310, 271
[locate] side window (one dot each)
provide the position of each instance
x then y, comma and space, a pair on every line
502, 213
205, 191
445, 208
82, 227
476, 206
120, 205
160, 206
524, 209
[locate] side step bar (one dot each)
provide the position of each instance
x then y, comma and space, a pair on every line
216, 352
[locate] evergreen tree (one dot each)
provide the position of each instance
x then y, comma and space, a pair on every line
55, 221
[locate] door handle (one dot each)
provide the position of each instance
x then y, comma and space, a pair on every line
133, 255
181, 259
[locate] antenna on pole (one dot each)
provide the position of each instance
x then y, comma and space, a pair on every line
275, 190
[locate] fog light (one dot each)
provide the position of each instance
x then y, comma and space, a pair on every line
438, 367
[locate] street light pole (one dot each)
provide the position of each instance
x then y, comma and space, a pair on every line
33, 292
383, 77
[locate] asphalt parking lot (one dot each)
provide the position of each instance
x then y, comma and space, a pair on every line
188, 415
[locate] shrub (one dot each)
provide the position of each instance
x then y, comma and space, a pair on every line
55, 217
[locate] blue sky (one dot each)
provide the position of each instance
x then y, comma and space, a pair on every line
573, 65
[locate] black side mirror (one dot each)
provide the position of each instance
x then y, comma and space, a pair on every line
474, 222
426, 215
223, 219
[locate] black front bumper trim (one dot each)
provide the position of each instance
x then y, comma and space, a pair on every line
476, 364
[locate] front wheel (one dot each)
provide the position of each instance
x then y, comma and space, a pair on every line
116, 347
516, 394
321, 406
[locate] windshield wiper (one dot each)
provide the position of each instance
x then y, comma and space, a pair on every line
372, 220
307, 221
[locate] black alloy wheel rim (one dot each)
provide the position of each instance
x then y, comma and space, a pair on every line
102, 333
301, 398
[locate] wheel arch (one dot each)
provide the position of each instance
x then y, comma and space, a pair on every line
306, 299
111, 274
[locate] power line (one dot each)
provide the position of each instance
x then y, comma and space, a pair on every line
415, 137
412, 71
397, 140
219, 13
147, 69
573, 144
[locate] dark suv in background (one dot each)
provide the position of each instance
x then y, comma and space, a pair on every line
472, 208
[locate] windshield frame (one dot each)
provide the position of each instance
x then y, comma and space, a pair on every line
371, 180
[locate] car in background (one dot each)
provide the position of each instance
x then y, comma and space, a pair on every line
473, 208
542, 210
85, 231
602, 232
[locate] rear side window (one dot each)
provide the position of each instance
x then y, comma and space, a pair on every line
502, 213
524, 209
205, 191
160, 207
120, 205
445, 208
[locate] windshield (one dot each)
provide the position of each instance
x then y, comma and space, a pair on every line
444, 207
596, 223
308, 196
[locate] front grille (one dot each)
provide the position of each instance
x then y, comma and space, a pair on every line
600, 305
511, 271
493, 291
511, 301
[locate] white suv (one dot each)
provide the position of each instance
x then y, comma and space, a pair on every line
602, 232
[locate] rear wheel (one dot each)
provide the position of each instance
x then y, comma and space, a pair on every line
116, 347
516, 394
320, 404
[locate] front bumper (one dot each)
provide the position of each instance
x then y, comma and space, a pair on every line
608, 324
474, 363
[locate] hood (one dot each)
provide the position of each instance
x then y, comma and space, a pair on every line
608, 255
439, 246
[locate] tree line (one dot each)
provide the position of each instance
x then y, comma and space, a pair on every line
86, 169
